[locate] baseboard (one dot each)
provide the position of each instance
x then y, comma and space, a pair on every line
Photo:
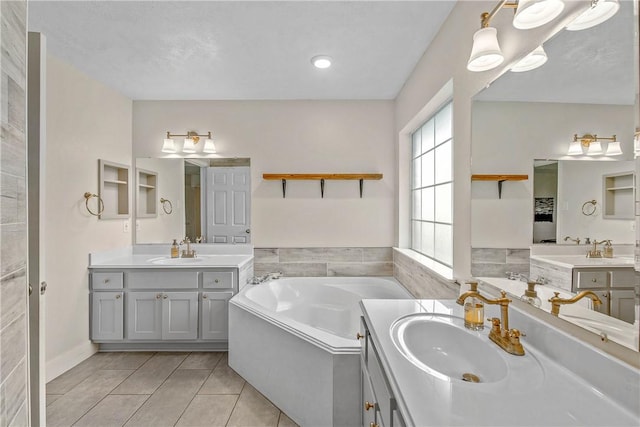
67, 360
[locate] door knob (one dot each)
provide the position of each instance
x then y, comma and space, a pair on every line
248, 231
204, 297
165, 296
118, 296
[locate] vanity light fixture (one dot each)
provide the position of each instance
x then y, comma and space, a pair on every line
600, 11
532, 61
592, 145
536, 13
189, 146
486, 53
321, 61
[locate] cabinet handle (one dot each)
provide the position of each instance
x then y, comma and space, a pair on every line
216, 281
359, 336
165, 296
594, 280
118, 296
106, 281
204, 297
368, 405
158, 296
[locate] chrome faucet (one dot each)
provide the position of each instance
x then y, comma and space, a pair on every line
507, 339
556, 301
188, 253
577, 239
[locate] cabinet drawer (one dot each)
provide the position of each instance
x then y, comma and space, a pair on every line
379, 385
218, 279
162, 279
591, 279
625, 278
109, 280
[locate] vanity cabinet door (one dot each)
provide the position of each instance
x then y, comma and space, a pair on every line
144, 314
214, 321
623, 305
107, 312
179, 315
369, 408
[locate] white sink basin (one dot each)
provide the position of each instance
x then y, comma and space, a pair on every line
175, 261
440, 345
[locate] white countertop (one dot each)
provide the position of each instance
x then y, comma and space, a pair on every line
556, 396
143, 256
581, 261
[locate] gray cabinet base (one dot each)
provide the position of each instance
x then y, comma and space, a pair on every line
164, 346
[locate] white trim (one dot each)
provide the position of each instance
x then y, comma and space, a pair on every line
440, 269
69, 359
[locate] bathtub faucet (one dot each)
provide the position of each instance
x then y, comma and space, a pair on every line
256, 280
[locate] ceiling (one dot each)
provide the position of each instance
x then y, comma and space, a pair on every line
238, 50
592, 66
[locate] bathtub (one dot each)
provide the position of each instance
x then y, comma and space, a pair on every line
294, 339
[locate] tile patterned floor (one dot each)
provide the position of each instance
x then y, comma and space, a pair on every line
158, 389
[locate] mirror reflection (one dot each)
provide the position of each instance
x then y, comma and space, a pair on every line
205, 200
523, 123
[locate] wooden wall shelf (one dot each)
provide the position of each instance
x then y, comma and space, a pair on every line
500, 179
321, 177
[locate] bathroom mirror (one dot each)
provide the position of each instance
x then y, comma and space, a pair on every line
588, 85
569, 205
207, 200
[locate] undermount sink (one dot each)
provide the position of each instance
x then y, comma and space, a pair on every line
440, 345
175, 261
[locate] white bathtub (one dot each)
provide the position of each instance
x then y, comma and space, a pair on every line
294, 339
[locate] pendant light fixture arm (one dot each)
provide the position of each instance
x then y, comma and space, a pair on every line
486, 17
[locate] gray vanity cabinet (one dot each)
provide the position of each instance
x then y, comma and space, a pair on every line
614, 286
161, 309
107, 316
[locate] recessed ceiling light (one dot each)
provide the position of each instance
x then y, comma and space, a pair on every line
321, 61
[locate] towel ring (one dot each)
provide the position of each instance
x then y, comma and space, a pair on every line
589, 207
88, 196
166, 202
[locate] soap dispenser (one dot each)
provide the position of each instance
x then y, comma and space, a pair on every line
474, 310
531, 296
175, 249
608, 249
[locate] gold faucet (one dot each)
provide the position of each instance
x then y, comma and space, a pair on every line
595, 252
507, 339
556, 301
188, 253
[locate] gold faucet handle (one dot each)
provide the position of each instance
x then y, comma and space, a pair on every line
514, 336
495, 323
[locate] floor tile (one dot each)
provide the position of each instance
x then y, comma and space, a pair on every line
285, 421
205, 360
208, 410
166, 405
223, 380
152, 374
113, 410
52, 398
254, 410
74, 404
75, 375
126, 360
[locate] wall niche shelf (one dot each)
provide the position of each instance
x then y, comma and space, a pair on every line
283, 177
500, 179
114, 189
618, 195
147, 193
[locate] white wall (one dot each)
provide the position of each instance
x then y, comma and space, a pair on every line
507, 137
294, 137
445, 61
86, 121
571, 221
164, 227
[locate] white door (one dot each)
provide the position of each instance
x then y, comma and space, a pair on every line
228, 204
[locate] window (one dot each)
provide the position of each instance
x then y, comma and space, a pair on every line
432, 188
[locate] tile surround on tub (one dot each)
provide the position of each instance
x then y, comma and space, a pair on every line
419, 280
323, 262
496, 262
